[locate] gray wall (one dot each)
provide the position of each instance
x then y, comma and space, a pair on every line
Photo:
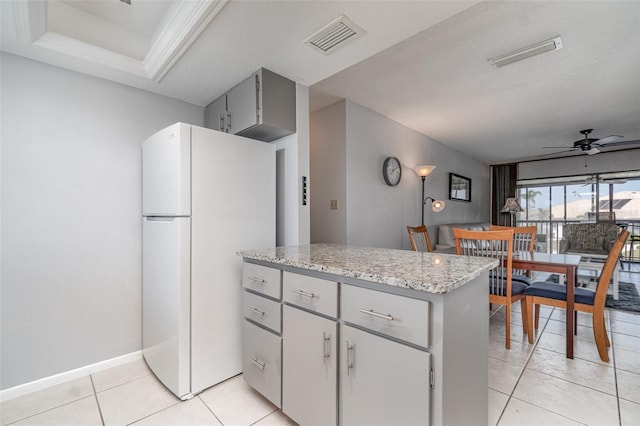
376, 214
71, 191
328, 167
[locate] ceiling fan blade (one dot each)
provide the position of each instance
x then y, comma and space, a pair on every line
608, 139
623, 143
556, 153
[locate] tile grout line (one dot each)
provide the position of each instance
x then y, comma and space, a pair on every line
575, 383
524, 367
46, 411
209, 408
615, 372
95, 395
265, 416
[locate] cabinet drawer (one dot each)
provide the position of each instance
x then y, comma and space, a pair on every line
311, 293
261, 310
262, 362
397, 316
262, 279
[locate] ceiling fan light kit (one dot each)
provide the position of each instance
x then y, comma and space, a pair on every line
527, 52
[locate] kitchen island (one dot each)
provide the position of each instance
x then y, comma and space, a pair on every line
338, 334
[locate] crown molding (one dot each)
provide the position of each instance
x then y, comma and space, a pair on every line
90, 53
188, 19
31, 19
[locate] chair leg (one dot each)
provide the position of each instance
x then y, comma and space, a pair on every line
525, 315
537, 320
575, 323
599, 333
529, 302
508, 325
606, 335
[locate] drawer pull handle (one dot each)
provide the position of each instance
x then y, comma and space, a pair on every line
257, 311
349, 362
304, 293
327, 346
257, 362
256, 280
376, 314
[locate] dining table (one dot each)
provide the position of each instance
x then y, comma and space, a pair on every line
566, 264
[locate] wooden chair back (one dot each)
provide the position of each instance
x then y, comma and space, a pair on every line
495, 244
419, 238
524, 237
498, 245
607, 270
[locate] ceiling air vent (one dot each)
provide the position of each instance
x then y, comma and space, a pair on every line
336, 34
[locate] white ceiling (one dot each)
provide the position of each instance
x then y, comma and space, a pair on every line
421, 63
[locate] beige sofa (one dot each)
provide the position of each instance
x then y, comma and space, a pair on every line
446, 240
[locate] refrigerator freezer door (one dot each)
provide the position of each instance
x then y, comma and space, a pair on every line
166, 293
166, 172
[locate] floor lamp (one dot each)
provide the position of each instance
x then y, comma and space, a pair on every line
436, 205
512, 207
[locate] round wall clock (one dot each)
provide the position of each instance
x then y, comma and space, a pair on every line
391, 171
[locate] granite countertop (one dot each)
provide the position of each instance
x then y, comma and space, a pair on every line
430, 272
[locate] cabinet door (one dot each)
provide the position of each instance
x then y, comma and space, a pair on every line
382, 382
309, 375
215, 115
242, 105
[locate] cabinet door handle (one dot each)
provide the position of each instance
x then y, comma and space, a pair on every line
257, 311
327, 346
349, 361
257, 362
375, 314
222, 128
229, 122
304, 293
256, 280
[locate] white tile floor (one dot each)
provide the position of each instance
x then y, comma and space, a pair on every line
528, 385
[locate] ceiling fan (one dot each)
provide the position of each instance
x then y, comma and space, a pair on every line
593, 145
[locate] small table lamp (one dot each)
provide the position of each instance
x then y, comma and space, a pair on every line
511, 206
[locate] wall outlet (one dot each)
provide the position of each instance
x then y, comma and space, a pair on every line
333, 204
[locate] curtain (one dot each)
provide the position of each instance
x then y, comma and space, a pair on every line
503, 185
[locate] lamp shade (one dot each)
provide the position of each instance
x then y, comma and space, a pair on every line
437, 205
511, 205
423, 171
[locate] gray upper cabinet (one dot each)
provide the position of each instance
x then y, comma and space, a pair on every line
262, 107
215, 115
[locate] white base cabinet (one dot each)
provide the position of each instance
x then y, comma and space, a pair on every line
262, 362
354, 353
309, 367
382, 382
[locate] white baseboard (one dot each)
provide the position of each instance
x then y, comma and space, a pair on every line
56, 379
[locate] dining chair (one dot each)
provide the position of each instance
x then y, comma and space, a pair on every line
419, 238
524, 239
502, 289
593, 302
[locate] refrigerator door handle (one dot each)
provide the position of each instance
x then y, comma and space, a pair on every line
167, 219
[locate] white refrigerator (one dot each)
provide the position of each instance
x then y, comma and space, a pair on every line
205, 195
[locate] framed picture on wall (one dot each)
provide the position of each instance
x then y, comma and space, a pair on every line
459, 187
